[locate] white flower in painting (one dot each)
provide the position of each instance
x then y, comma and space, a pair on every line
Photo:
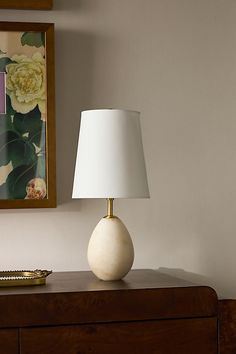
26, 83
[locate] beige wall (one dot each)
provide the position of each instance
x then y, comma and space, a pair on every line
175, 61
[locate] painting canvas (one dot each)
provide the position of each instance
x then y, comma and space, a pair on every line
24, 117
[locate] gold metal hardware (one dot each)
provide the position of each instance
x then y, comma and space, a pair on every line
110, 208
23, 277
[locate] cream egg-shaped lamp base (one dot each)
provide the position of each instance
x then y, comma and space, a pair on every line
110, 249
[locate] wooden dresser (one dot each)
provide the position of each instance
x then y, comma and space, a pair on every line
75, 313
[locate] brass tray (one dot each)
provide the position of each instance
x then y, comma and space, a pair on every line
23, 277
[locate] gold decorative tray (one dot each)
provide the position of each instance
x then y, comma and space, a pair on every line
23, 277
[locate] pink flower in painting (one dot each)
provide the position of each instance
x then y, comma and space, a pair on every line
36, 189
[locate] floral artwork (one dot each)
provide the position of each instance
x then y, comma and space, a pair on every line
23, 115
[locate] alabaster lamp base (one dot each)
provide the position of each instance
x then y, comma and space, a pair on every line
110, 249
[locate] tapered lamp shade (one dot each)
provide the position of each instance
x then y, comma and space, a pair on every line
110, 160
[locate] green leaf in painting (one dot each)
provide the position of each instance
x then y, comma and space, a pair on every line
18, 179
5, 123
10, 110
29, 122
24, 152
33, 39
15, 149
4, 62
39, 137
6, 141
32, 124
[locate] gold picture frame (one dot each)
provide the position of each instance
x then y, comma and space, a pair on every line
27, 59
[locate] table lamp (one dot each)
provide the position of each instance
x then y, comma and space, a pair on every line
110, 164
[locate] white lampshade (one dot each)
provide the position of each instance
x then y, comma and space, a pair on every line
110, 160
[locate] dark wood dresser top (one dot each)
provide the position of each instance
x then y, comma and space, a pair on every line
79, 297
85, 281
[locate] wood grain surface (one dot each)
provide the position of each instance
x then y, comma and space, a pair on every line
79, 298
8, 341
27, 4
195, 336
227, 326
75, 313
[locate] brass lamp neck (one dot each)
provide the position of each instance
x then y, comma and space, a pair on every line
110, 208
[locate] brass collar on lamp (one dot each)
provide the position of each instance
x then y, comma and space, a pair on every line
110, 208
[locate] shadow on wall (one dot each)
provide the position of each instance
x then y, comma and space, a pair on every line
74, 63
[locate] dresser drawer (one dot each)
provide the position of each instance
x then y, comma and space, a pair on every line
9, 341
147, 337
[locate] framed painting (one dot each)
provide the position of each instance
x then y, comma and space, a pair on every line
27, 115
26, 4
